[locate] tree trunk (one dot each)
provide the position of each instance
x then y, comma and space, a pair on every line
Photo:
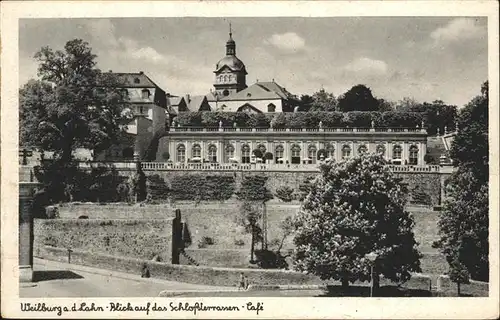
281, 243
376, 282
458, 289
252, 246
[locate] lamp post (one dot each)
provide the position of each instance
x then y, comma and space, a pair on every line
372, 257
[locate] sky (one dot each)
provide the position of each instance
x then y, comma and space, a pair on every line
425, 58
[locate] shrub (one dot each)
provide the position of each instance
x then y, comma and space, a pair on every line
239, 242
253, 188
123, 192
304, 188
267, 259
156, 187
268, 156
52, 212
205, 241
309, 119
257, 153
284, 193
202, 187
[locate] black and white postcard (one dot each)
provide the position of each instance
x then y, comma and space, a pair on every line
192, 159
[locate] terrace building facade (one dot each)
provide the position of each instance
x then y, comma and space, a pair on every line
305, 146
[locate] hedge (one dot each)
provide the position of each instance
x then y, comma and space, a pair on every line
302, 119
201, 187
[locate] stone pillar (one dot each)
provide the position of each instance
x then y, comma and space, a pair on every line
421, 153
26, 193
176, 237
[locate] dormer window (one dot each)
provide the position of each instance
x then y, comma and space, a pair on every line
136, 80
145, 94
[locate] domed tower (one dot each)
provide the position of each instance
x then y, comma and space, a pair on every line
230, 72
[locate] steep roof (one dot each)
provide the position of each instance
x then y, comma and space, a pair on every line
261, 91
194, 103
132, 80
175, 101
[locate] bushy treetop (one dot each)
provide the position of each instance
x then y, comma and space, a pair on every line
354, 208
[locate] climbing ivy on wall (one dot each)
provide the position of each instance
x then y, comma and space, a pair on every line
253, 188
200, 187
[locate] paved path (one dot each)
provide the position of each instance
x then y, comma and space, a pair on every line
57, 279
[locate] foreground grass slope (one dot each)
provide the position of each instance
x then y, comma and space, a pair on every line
231, 245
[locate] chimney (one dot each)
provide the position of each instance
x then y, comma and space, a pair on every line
188, 98
141, 72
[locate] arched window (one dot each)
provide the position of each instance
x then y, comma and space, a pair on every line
245, 153
145, 93
396, 152
212, 153
413, 155
181, 153
311, 153
362, 149
196, 152
271, 108
381, 150
330, 151
229, 153
295, 154
278, 151
346, 152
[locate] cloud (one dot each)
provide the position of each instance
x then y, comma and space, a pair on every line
102, 31
366, 66
458, 29
287, 42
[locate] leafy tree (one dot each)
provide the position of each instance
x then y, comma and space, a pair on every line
324, 101
355, 207
463, 225
249, 219
408, 104
287, 226
386, 105
72, 105
470, 145
358, 98
254, 194
306, 102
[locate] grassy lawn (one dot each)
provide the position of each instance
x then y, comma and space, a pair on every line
218, 222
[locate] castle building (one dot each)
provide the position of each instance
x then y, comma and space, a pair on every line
231, 93
283, 146
148, 104
155, 112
